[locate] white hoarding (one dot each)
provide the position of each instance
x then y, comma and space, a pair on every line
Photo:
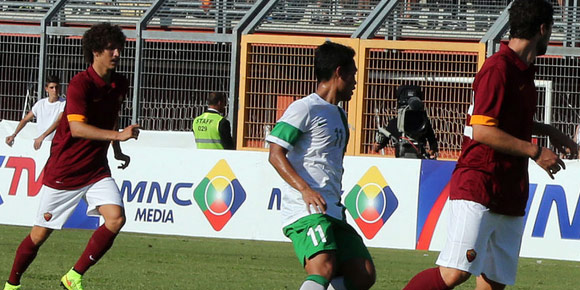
172, 188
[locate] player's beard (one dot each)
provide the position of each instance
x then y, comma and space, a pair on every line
541, 47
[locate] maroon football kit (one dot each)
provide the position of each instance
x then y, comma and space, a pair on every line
76, 162
505, 97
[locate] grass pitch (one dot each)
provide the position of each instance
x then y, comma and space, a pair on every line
139, 261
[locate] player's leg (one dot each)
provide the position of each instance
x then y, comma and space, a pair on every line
464, 251
503, 252
313, 240
354, 260
54, 209
432, 279
320, 269
103, 198
483, 283
25, 254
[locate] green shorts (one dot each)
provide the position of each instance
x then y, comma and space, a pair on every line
319, 232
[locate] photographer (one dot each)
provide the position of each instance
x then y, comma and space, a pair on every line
411, 130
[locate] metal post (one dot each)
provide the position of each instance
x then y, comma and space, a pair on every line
42, 57
496, 31
373, 22
249, 22
142, 25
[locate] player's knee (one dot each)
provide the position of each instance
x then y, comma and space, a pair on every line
454, 277
322, 264
326, 269
39, 235
115, 223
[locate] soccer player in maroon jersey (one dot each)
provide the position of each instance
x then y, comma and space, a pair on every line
78, 167
489, 187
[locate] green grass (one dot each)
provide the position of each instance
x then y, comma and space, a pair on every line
139, 261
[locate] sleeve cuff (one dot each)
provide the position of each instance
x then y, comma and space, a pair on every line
76, 118
483, 120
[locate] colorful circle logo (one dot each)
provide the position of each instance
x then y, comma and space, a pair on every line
219, 195
370, 207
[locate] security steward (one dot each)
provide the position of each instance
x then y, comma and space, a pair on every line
211, 129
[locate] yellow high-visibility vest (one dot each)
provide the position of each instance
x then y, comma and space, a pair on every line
206, 131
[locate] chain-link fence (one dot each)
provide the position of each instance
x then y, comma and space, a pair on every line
19, 73
177, 78
277, 71
179, 51
444, 72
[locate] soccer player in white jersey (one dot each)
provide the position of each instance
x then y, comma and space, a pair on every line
307, 148
47, 111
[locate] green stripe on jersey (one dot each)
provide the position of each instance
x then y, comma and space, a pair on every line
286, 132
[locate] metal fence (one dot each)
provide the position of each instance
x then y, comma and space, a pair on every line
338, 17
445, 19
19, 56
179, 51
444, 71
276, 71
177, 77
170, 59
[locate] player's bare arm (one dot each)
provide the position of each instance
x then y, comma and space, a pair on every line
278, 159
87, 131
21, 124
559, 140
38, 140
503, 142
119, 155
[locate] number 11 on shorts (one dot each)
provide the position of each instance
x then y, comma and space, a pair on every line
312, 235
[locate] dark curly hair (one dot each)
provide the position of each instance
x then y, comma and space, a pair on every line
101, 36
328, 57
526, 16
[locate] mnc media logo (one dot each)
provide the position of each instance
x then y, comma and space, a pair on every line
219, 195
371, 202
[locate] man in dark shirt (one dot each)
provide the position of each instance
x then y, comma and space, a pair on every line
211, 129
78, 167
489, 186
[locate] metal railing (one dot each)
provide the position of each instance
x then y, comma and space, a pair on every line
179, 51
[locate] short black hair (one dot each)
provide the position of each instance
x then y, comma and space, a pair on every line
101, 36
329, 56
52, 79
526, 16
215, 98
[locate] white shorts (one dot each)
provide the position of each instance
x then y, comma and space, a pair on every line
480, 241
57, 205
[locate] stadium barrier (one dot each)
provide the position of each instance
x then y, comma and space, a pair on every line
276, 70
392, 203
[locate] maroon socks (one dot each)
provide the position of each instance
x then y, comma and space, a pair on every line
24, 256
429, 279
98, 245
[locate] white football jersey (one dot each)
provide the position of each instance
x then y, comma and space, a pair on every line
315, 133
46, 114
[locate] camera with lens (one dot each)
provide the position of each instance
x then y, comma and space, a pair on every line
411, 130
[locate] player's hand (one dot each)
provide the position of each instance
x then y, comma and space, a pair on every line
124, 158
550, 162
10, 140
131, 131
38, 142
565, 145
377, 147
432, 154
314, 199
